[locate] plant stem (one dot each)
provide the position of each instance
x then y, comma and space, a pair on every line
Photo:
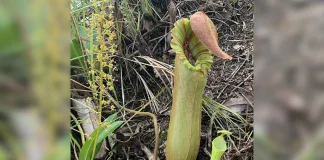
79, 128
101, 91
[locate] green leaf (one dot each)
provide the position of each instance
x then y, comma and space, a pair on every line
108, 129
77, 57
103, 131
111, 118
10, 39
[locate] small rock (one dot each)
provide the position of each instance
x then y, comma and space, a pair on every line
238, 47
171, 52
237, 104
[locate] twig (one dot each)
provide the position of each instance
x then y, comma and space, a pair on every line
235, 71
241, 82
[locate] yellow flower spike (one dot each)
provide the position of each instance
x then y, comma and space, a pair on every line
101, 34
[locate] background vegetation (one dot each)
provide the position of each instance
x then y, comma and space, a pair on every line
121, 60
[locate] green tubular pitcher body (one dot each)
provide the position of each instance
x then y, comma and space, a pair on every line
189, 82
185, 122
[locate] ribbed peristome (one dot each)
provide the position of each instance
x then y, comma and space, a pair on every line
181, 34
